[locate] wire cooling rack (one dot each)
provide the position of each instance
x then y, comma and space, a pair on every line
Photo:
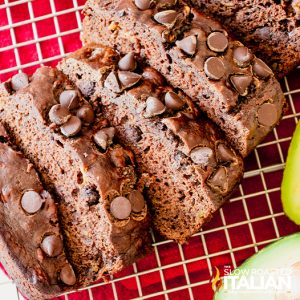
39, 32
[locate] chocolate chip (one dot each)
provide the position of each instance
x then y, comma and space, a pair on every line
167, 17
242, 56
214, 68
52, 245
72, 127
31, 202
67, 275
112, 82
69, 99
104, 137
86, 114
188, 44
154, 107
59, 114
173, 101
203, 156
241, 83
142, 4
153, 75
120, 208
219, 180
217, 42
267, 114
128, 79
225, 154
19, 81
86, 87
137, 201
128, 62
260, 69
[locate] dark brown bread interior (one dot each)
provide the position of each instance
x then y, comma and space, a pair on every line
96, 242
21, 233
122, 25
180, 192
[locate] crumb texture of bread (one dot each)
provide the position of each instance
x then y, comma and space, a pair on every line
270, 28
58, 131
192, 168
31, 242
197, 55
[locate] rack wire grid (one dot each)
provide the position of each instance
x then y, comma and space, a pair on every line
41, 32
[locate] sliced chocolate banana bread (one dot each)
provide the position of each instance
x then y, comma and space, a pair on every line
102, 211
237, 90
192, 168
271, 28
31, 242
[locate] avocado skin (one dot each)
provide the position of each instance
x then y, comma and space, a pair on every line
290, 187
281, 254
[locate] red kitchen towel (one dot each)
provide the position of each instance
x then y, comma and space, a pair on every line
42, 31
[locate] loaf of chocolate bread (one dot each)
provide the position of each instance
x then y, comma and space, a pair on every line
31, 241
237, 90
102, 211
192, 168
270, 28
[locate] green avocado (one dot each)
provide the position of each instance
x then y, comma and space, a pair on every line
290, 188
271, 274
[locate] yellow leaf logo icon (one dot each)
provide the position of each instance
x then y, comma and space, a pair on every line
216, 282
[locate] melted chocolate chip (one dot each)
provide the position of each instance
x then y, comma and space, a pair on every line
86, 114
31, 202
217, 42
127, 63
188, 44
128, 79
137, 201
225, 154
153, 76
67, 275
52, 245
267, 114
203, 156
19, 81
167, 17
120, 208
219, 180
72, 127
173, 101
241, 83
142, 4
89, 195
69, 99
104, 137
260, 69
59, 114
214, 68
154, 107
242, 56
112, 82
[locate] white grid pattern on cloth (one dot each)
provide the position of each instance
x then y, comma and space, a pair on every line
262, 171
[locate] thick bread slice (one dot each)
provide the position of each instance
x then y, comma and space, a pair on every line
194, 53
193, 169
102, 232
270, 28
31, 242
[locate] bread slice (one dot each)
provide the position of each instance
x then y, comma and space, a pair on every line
270, 28
102, 230
31, 242
193, 169
237, 90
